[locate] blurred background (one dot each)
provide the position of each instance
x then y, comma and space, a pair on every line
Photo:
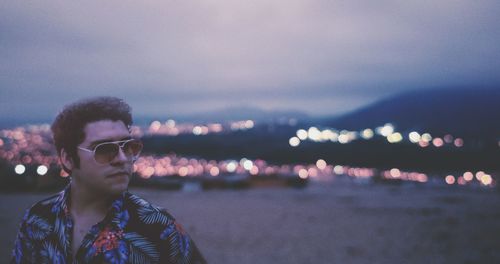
276, 131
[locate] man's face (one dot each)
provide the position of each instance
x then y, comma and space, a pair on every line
110, 178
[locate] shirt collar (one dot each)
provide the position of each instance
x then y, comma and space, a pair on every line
116, 213
61, 203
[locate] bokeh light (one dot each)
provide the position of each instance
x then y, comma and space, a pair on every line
42, 170
19, 169
450, 179
294, 141
303, 174
302, 134
321, 164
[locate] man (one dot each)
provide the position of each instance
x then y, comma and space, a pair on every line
95, 219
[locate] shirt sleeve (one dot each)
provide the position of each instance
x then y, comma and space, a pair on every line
23, 246
178, 247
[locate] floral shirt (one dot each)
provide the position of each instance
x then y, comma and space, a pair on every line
133, 231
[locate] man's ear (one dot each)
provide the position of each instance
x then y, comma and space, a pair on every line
66, 160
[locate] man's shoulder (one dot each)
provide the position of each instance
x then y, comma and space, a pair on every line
45, 206
147, 212
149, 224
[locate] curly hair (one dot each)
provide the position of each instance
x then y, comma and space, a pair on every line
68, 126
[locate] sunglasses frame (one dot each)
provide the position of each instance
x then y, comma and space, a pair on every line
120, 143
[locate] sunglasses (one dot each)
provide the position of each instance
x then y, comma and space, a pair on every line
106, 152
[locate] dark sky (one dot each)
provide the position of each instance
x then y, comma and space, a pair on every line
168, 58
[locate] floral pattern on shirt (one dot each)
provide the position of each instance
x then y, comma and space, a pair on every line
133, 231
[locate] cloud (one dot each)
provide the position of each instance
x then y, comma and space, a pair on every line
194, 55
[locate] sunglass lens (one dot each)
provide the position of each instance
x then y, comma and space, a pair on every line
133, 148
105, 153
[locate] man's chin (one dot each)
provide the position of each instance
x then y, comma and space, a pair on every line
118, 187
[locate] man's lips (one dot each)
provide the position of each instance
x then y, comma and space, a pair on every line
120, 173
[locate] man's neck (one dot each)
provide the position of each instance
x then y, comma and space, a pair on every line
84, 202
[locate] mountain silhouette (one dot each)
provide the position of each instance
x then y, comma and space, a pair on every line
473, 113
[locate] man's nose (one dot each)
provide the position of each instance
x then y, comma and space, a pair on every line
120, 157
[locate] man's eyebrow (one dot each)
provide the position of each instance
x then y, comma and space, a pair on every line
97, 142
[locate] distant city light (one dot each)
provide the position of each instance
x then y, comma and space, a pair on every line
327, 135
214, 171
248, 164
183, 171
395, 173
148, 172
461, 180
437, 142
254, 170
458, 142
339, 170
450, 179
395, 137
249, 124
31, 145
426, 137
312, 172
423, 143
346, 136
155, 126
294, 141
303, 174
321, 164
479, 175
448, 138
314, 134
343, 139
170, 123
352, 135
19, 169
367, 133
231, 166
386, 130
334, 137
197, 130
422, 177
42, 170
242, 125
414, 137
486, 179
468, 176
302, 134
